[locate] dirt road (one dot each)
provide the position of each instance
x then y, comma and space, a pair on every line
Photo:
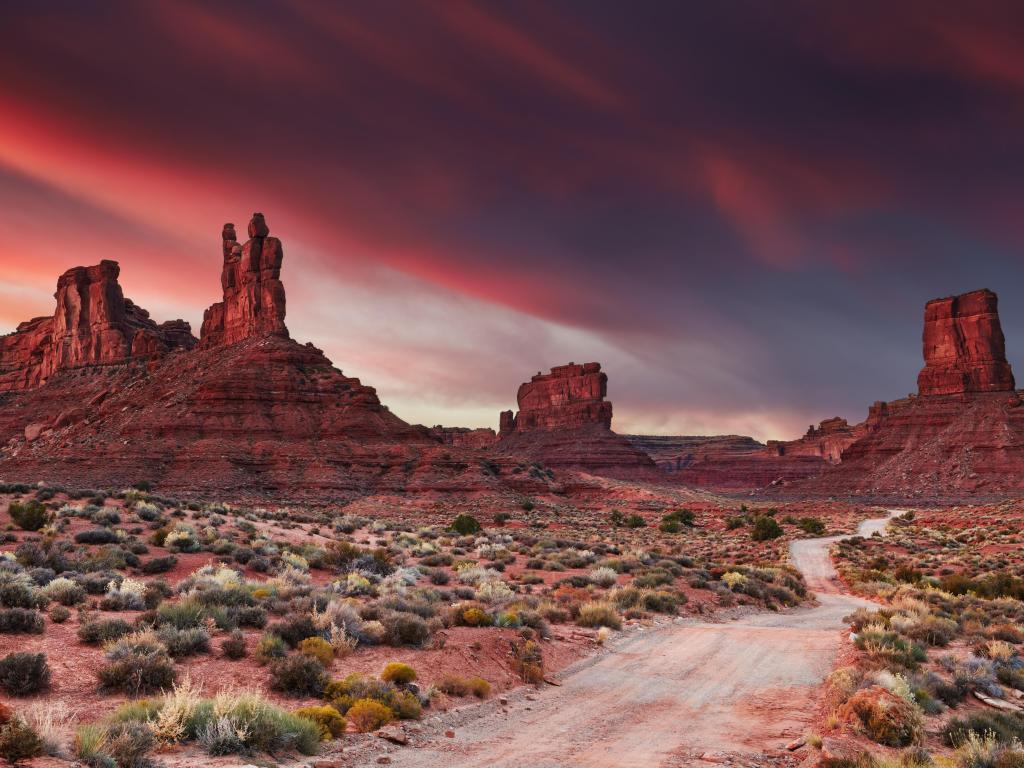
686, 695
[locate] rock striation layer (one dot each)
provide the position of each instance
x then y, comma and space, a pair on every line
93, 324
964, 348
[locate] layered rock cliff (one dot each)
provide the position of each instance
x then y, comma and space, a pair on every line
93, 324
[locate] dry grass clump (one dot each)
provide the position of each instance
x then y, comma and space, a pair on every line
456, 685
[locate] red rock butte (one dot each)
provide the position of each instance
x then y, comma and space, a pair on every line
93, 324
565, 422
964, 348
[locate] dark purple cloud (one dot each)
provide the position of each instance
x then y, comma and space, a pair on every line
740, 210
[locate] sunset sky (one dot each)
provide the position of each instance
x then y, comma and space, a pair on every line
738, 208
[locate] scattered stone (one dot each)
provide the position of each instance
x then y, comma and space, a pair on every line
449, 734
395, 734
794, 745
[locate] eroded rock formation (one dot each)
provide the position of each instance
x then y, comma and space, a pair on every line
964, 349
564, 421
569, 396
93, 324
254, 300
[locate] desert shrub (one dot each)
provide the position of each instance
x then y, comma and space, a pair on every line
319, 649
233, 646
253, 616
181, 539
329, 722
599, 614
137, 673
635, 521
159, 564
270, 647
29, 515
890, 648
812, 525
128, 595
528, 661
398, 673
128, 744
102, 631
405, 629
21, 621
454, 685
184, 642
294, 628
886, 718
1003, 726
18, 590
298, 675
22, 674
765, 528
19, 742
64, 591
934, 630
96, 536
603, 577
59, 614
466, 525
369, 715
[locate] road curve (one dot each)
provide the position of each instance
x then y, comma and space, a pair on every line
689, 694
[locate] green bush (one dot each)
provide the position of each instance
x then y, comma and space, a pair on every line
812, 525
270, 647
21, 621
298, 675
22, 674
466, 525
29, 515
103, 631
138, 673
765, 528
635, 521
233, 646
1003, 726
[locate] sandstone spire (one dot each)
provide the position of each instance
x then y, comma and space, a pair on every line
254, 301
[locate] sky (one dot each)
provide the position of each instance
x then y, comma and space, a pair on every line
738, 208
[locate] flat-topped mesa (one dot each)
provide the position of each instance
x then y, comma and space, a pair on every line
964, 348
93, 324
254, 300
570, 396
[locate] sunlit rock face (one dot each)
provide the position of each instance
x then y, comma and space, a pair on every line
964, 349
